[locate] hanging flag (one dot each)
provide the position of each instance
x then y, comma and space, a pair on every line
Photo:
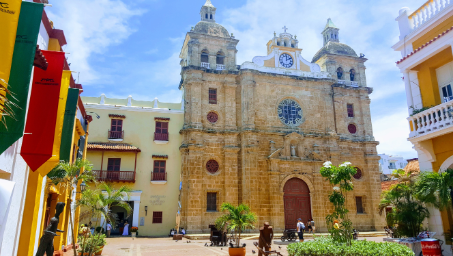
9, 18
68, 124
21, 68
41, 121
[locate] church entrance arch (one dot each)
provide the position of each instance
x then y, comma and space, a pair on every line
297, 204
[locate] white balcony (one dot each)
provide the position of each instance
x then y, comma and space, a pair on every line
426, 12
205, 65
220, 67
432, 122
349, 83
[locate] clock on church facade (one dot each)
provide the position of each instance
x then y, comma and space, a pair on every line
259, 132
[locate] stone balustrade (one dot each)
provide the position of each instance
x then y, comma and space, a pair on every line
220, 67
427, 11
350, 83
205, 65
431, 120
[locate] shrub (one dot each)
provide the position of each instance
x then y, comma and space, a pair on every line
326, 247
99, 229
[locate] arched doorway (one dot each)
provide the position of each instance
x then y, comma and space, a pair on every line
297, 202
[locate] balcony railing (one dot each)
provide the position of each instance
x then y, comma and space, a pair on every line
161, 136
205, 65
116, 135
120, 176
159, 176
220, 67
349, 83
432, 120
426, 12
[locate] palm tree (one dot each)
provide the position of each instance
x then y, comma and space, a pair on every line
237, 218
68, 176
99, 202
435, 188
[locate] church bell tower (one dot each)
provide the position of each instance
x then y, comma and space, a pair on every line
330, 33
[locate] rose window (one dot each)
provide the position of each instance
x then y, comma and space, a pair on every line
212, 117
358, 175
352, 128
290, 112
212, 166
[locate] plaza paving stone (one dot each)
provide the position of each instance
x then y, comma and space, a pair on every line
128, 246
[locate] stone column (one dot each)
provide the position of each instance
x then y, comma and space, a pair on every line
250, 173
410, 102
247, 102
277, 211
193, 89
230, 105
135, 217
195, 195
375, 190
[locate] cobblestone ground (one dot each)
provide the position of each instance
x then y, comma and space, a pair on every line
128, 246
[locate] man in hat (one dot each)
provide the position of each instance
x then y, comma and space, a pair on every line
266, 236
300, 229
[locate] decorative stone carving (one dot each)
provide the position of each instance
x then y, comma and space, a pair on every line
293, 151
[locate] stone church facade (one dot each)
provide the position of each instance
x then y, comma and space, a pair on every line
259, 133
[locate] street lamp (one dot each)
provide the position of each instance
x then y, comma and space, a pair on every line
83, 186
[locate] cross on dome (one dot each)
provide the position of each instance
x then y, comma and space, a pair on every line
285, 28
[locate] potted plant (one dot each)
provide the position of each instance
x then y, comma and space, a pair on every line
237, 219
88, 247
101, 242
134, 231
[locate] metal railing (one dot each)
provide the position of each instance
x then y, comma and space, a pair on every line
116, 135
159, 176
125, 176
161, 136
220, 67
431, 120
350, 83
205, 65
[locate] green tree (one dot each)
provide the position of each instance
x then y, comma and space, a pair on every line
340, 177
435, 188
237, 219
68, 176
98, 203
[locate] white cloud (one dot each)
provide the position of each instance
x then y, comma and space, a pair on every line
91, 26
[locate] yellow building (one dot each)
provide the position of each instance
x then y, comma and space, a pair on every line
425, 43
136, 143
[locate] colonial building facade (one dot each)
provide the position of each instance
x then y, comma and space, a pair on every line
259, 133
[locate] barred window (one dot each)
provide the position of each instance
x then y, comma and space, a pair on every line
212, 202
212, 96
157, 217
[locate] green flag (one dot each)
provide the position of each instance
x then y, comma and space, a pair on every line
21, 67
68, 124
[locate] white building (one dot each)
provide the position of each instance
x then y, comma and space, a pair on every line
389, 163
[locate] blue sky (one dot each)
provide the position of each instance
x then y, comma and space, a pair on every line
126, 48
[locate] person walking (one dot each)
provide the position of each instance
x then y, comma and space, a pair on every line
313, 226
121, 226
300, 229
109, 228
126, 229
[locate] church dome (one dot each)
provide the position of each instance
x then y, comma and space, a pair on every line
334, 48
212, 29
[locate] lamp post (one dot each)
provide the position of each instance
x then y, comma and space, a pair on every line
83, 186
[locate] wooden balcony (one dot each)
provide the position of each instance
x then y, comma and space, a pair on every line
115, 176
158, 176
114, 135
161, 136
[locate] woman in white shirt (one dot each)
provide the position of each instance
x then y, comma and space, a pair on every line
126, 229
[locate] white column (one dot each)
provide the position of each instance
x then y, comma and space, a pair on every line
403, 22
135, 217
415, 88
410, 102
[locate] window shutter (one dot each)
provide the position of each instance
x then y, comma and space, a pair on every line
212, 96
350, 108
212, 201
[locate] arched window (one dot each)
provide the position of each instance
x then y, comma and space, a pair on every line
206, 16
352, 74
204, 56
340, 73
278, 43
220, 58
211, 16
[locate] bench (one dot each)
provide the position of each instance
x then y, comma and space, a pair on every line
266, 253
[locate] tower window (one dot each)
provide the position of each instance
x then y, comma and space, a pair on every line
212, 96
352, 74
206, 16
350, 108
211, 16
340, 73
204, 57
220, 59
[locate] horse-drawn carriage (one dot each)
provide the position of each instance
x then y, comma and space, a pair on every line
217, 237
289, 235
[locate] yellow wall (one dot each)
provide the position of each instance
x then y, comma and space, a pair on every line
446, 24
427, 78
443, 148
54, 45
139, 130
